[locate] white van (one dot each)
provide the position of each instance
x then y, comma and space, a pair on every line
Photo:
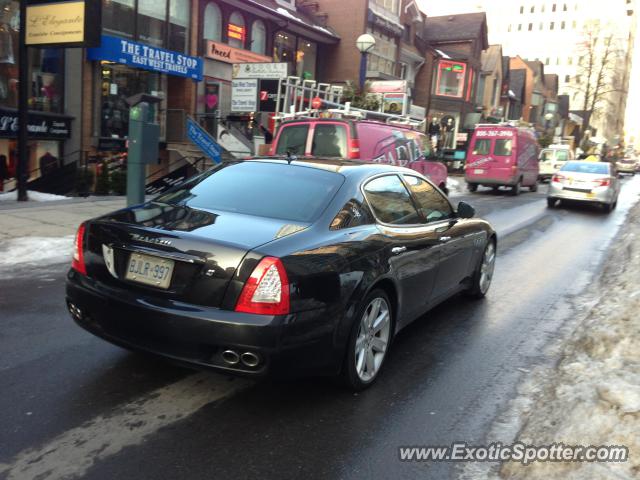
552, 159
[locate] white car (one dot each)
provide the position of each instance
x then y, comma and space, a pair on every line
551, 160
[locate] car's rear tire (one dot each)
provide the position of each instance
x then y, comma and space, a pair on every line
369, 341
607, 207
472, 187
515, 189
551, 202
534, 187
483, 274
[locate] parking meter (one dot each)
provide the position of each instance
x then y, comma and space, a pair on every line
143, 141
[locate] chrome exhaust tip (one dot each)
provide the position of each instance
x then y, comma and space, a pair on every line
230, 357
250, 359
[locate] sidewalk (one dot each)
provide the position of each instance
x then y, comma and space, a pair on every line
52, 219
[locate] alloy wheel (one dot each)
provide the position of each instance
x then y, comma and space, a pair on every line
487, 267
373, 339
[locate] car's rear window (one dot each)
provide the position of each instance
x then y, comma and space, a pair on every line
293, 139
482, 146
502, 148
562, 155
329, 141
264, 189
586, 167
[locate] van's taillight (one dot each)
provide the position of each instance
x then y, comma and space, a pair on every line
603, 182
267, 289
354, 148
77, 262
557, 178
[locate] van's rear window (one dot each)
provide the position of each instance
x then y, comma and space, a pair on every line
293, 139
329, 141
482, 146
502, 147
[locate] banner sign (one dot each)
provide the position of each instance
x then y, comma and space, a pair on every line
143, 56
244, 95
74, 23
38, 125
201, 139
227, 54
263, 71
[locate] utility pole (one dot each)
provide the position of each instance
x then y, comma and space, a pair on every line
23, 105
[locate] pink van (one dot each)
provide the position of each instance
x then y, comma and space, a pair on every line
502, 155
363, 140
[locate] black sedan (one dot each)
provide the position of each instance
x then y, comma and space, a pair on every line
278, 266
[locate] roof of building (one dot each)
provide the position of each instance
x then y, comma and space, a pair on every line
517, 79
491, 58
449, 28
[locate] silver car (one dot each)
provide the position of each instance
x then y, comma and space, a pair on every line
626, 165
593, 182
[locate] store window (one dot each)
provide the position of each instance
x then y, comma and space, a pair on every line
151, 21
258, 37
306, 56
383, 57
9, 32
236, 31
118, 83
450, 79
212, 23
179, 25
284, 49
391, 5
118, 17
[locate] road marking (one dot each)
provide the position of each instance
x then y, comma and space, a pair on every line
74, 452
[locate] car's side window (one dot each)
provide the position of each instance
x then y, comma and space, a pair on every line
390, 201
432, 204
354, 213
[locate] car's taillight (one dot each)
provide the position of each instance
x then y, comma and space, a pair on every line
354, 148
603, 182
77, 262
267, 289
557, 178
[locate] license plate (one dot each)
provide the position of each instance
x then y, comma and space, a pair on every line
591, 195
150, 270
478, 171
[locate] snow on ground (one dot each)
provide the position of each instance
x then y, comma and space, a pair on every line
33, 195
456, 185
592, 396
34, 250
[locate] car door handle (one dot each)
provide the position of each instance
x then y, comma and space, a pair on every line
398, 250
444, 239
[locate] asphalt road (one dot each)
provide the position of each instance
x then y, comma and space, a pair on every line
73, 405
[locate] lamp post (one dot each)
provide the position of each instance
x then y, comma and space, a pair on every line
548, 117
365, 43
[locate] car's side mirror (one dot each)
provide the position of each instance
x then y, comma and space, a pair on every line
465, 210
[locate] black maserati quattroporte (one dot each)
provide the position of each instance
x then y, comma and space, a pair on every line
278, 265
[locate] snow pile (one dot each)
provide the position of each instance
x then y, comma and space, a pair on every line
34, 250
593, 395
33, 195
455, 185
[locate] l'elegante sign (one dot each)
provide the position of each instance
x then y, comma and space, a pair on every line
38, 125
64, 24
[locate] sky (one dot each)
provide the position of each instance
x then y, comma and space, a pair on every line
632, 121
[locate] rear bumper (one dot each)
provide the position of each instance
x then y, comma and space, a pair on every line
293, 344
491, 181
597, 195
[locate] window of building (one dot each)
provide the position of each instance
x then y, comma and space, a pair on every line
258, 37
567, 78
299, 53
509, 29
570, 61
541, 25
450, 79
553, 7
551, 25
546, 61
564, 7
118, 17
212, 23
574, 24
236, 30
306, 57
179, 25
403, 70
152, 22
578, 79
563, 25
542, 8
284, 49
383, 57
521, 9
530, 26
533, 9
406, 33
519, 27
391, 5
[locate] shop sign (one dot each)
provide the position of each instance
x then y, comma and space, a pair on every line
394, 103
38, 126
225, 53
64, 24
388, 86
203, 140
147, 57
264, 71
244, 95
268, 95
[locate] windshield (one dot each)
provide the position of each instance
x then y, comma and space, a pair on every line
264, 189
586, 167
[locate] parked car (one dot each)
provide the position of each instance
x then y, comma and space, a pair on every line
592, 182
278, 266
502, 155
626, 165
364, 140
551, 160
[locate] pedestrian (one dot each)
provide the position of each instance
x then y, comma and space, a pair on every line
4, 171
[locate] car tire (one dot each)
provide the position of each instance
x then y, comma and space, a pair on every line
472, 187
357, 362
515, 189
483, 274
534, 187
607, 207
551, 202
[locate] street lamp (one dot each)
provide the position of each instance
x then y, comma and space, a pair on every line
365, 43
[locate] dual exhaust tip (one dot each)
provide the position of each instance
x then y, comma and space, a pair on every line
248, 359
